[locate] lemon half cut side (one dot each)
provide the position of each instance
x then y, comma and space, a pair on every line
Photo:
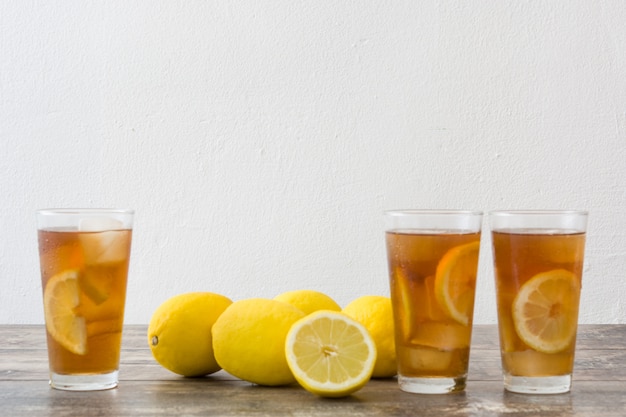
330, 354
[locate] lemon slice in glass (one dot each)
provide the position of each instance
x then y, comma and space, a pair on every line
455, 281
330, 354
545, 310
61, 297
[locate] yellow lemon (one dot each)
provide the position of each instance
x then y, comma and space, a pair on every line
330, 354
545, 311
249, 340
308, 300
455, 281
61, 299
375, 313
179, 334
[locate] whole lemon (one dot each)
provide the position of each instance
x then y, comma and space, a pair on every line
179, 334
308, 300
376, 314
249, 340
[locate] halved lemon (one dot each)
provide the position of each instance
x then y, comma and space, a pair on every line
61, 298
330, 354
455, 281
545, 311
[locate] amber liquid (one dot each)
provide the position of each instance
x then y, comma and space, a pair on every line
429, 343
518, 257
101, 261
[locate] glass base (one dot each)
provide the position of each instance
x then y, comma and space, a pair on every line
431, 385
538, 384
93, 382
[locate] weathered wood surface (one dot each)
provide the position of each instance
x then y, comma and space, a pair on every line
146, 389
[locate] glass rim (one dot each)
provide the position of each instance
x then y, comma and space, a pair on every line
78, 211
445, 212
539, 212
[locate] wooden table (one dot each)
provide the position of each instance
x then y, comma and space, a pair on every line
147, 389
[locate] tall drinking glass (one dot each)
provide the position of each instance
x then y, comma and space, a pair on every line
433, 259
84, 256
538, 258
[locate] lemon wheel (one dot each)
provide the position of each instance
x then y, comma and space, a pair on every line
545, 310
455, 281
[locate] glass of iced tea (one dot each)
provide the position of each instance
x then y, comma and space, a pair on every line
538, 260
84, 256
433, 260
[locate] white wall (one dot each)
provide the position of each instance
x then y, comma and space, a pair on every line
260, 141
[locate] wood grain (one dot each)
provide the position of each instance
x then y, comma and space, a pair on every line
146, 389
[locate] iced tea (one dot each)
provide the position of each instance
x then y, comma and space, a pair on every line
432, 276
538, 337
84, 274
538, 261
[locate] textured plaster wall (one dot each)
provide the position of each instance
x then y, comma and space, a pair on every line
260, 141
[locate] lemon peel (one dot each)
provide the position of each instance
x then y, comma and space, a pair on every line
249, 340
308, 300
179, 333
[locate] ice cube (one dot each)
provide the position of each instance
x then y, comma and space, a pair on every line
442, 336
105, 247
423, 359
97, 282
104, 327
99, 224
